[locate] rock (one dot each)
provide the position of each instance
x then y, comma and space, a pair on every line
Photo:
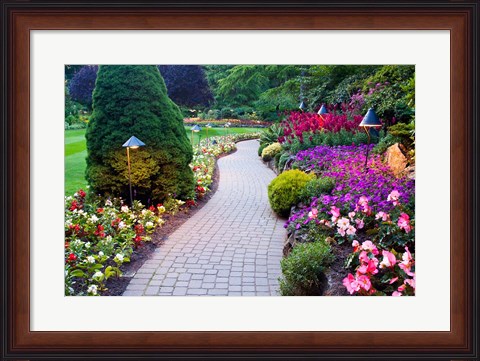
396, 159
409, 172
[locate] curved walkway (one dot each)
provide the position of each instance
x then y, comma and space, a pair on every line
230, 247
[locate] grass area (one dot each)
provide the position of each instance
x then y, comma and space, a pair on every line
213, 132
76, 152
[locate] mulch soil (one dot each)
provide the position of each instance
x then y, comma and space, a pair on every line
116, 286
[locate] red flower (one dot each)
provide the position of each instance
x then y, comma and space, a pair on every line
67, 244
137, 239
151, 208
139, 229
81, 193
75, 228
99, 210
72, 257
159, 205
74, 206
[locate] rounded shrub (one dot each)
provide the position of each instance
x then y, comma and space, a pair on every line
302, 270
271, 151
132, 100
284, 191
316, 187
261, 148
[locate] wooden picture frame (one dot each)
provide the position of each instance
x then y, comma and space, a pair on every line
460, 18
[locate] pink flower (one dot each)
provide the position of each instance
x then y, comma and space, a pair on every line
410, 282
351, 230
369, 246
363, 257
407, 263
335, 211
363, 201
370, 267
389, 259
393, 197
364, 282
351, 215
396, 294
382, 215
341, 231
359, 223
404, 222
393, 280
351, 284
313, 214
355, 244
343, 223
401, 288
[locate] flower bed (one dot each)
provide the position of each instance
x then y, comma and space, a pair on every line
370, 206
100, 238
233, 122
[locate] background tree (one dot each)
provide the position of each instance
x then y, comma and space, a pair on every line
132, 100
187, 85
82, 84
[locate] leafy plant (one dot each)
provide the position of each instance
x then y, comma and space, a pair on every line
315, 188
302, 270
271, 151
284, 190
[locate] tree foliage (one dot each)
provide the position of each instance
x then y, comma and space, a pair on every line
82, 84
187, 84
132, 100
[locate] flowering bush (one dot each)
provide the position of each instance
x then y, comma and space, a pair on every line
100, 238
394, 275
221, 122
300, 125
269, 152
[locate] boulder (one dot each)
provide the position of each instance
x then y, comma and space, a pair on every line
395, 159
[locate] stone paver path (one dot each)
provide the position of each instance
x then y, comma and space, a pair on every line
230, 247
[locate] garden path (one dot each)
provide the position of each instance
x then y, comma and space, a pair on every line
230, 247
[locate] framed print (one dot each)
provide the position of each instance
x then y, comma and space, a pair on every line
46, 45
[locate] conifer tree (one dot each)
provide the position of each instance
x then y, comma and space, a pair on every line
132, 100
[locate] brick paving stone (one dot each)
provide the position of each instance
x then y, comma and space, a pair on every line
231, 246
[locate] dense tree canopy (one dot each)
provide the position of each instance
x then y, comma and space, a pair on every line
82, 84
187, 84
132, 100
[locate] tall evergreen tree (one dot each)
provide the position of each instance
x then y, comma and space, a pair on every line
132, 100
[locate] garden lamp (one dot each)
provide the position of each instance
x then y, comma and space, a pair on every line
322, 110
132, 143
208, 126
195, 129
369, 121
302, 106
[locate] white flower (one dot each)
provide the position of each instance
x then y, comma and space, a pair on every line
108, 239
81, 211
119, 257
124, 209
149, 224
97, 275
144, 211
132, 216
108, 202
93, 219
121, 225
87, 245
90, 259
75, 194
100, 254
92, 289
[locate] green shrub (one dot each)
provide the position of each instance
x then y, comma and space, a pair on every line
277, 159
302, 270
271, 134
132, 100
283, 191
261, 148
315, 188
270, 151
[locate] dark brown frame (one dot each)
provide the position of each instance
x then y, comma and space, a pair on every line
460, 17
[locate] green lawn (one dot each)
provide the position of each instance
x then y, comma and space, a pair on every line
212, 132
75, 153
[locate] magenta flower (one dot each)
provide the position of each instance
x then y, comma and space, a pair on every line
351, 284
389, 259
404, 222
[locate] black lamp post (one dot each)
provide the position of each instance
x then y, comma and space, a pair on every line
302, 106
206, 127
195, 129
132, 143
322, 110
370, 120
